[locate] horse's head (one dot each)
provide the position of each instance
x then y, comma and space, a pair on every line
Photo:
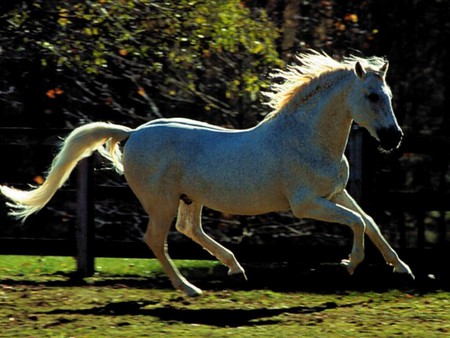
370, 105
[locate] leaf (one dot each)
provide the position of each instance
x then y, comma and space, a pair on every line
351, 17
141, 91
63, 22
39, 180
51, 94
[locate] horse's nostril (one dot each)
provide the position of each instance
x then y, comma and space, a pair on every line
390, 138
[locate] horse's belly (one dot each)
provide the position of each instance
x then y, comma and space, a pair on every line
227, 191
245, 205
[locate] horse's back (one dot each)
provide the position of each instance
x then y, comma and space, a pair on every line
183, 123
169, 139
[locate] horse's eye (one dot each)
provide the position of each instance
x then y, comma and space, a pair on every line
373, 97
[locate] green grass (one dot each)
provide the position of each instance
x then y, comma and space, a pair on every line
132, 298
26, 265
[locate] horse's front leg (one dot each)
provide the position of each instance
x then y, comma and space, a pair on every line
325, 210
374, 233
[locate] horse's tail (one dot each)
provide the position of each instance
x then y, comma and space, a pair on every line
81, 143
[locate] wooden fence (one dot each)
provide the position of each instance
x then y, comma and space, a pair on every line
86, 248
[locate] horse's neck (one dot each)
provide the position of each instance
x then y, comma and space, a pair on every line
324, 115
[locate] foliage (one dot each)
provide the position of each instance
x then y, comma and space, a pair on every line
140, 54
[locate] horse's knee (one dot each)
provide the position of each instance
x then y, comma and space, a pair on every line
358, 226
371, 225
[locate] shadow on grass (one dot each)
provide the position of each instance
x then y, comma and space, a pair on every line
328, 278
213, 317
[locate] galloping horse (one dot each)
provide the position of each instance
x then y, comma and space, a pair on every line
292, 160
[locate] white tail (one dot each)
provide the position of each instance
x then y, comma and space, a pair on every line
81, 143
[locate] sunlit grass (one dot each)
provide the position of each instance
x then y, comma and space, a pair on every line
133, 298
25, 265
47, 265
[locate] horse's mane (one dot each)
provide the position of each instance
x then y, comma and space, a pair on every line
311, 66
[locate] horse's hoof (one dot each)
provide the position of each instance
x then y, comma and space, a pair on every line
345, 263
192, 291
405, 276
238, 277
403, 269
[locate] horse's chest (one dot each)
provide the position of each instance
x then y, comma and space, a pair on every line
340, 181
335, 180
323, 178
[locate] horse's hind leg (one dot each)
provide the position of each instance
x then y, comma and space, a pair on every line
189, 223
374, 233
156, 238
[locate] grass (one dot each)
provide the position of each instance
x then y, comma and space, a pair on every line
132, 298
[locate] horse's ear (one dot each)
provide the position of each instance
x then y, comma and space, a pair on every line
384, 69
359, 70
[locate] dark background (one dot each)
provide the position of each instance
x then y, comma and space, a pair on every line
63, 64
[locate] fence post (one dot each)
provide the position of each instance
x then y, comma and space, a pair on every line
85, 219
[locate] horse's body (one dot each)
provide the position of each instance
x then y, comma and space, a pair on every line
293, 160
237, 172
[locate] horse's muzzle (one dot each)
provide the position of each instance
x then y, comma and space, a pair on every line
390, 138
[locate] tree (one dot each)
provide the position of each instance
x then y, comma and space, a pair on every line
139, 59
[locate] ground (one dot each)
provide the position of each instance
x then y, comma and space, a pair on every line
128, 298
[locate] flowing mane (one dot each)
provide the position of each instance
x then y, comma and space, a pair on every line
311, 66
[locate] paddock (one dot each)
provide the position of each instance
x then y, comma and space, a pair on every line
132, 297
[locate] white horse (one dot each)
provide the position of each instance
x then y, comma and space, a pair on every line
294, 159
